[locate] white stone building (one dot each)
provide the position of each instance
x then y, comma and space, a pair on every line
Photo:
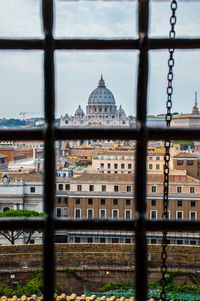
101, 111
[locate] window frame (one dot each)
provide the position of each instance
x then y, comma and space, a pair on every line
143, 44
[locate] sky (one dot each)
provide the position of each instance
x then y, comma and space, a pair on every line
78, 73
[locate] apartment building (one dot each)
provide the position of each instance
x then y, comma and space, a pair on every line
112, 196
123, 162
188, 162
104, 196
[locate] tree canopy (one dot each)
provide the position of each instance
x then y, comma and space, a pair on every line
13, 235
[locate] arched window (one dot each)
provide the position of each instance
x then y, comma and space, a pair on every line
6, 209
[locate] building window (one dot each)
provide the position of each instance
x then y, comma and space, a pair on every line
102, 165
58, 212
79, 187
90, 213
115, 213
115, 166
157, 158
115, 202
58, 200
150, 166
102, 240
150, 158
129, 166
77, 213
179, 214
77, 201
116, 188
179, 162
122, 166
192, 215
153, 214
60, 186
66, 200
192, 189
127, 214
77, 239
179, 241
190, 162
103, 188
108, 165
103, 201
90, 201
67, 186
153, 188
153, 202
102, 213
32, 189
192, 203
157, 166
91, 187
65, 212
128, 188
179, 189
90, 240
179, 203
128, 202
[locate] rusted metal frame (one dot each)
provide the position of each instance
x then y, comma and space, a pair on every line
140, 161
49, 153
99, 44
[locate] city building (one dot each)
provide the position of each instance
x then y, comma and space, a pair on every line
188, 120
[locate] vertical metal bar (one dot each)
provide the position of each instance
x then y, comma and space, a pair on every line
49, 175
140, 178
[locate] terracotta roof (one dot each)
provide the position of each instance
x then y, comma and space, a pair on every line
28, 177
97, 177
84, 153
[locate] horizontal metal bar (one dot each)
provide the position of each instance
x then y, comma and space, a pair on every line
22, 134
188, 43
172, 225
126, 134
21, 44
94, 133
99, 224
99, 44
101, 133
173, 133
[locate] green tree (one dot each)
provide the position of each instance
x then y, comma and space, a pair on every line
13, 235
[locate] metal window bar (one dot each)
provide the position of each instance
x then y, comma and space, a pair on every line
141, 134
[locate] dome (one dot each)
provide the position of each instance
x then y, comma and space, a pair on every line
101, 94
79, 111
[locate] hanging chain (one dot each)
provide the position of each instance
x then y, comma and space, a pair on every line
167, 143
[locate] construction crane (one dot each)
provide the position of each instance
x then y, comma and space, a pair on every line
23, 114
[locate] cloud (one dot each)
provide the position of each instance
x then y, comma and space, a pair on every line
78, 73
20, 18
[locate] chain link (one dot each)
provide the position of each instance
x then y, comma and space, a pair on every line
167, 144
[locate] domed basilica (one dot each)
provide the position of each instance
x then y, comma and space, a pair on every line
101, 111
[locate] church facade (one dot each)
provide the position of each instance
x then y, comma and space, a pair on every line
101, 111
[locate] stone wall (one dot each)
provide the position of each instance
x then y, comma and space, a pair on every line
96, 263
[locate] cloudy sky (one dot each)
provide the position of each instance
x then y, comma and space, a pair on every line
78, 73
